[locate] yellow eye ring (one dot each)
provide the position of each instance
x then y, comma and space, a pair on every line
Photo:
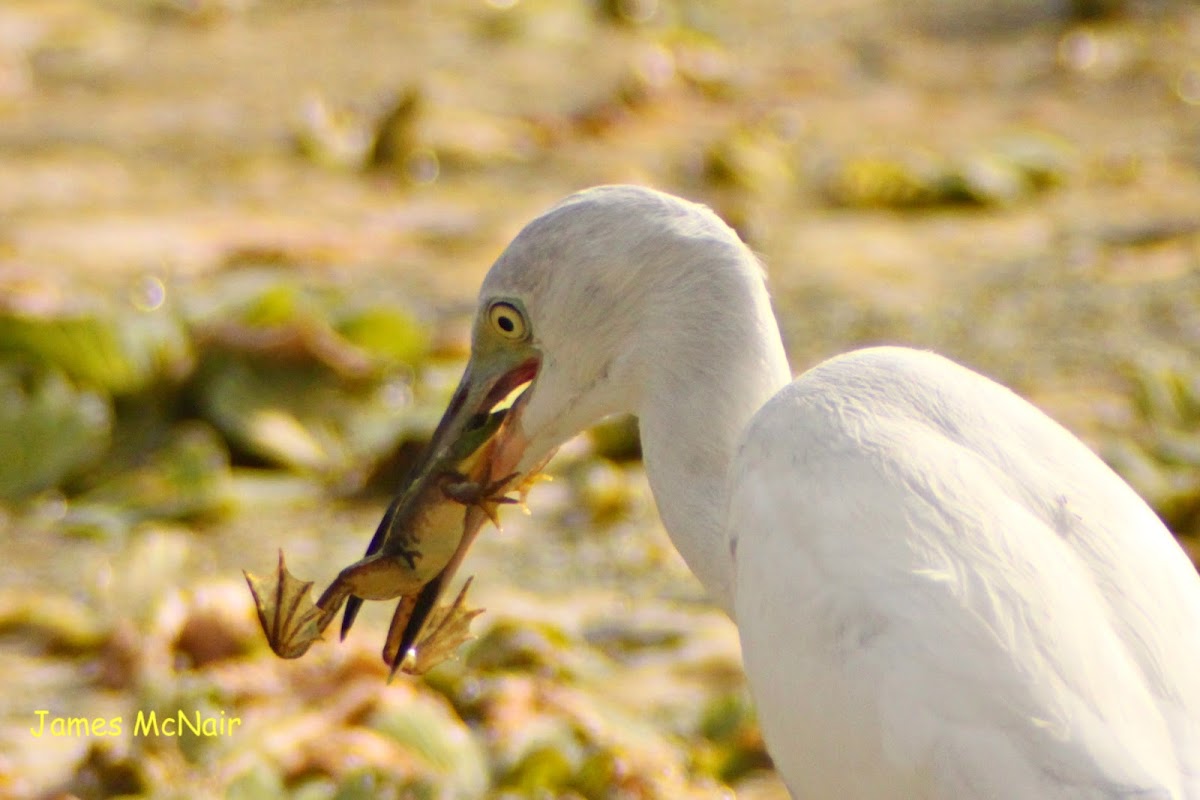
507, 320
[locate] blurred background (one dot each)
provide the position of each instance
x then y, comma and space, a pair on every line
240, 242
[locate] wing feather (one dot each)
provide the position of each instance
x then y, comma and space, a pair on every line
942, 593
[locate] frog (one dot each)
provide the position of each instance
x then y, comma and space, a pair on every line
419, 535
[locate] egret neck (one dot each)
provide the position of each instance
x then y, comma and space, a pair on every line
694, 405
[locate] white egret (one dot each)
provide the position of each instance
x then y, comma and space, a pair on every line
940, 592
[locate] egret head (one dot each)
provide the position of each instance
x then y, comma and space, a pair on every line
575, 309
617, 299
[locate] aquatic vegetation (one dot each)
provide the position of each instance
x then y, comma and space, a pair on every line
1001, 173
1161, 458
49, 429
315, 381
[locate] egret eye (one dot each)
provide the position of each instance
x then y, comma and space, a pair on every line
507, 320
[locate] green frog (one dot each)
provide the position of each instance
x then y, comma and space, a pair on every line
419, 535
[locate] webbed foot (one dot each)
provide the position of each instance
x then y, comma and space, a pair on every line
447, 629
286, 611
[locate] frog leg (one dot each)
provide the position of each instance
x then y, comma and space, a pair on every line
446, 629
395, 635
381, 531
383, 576
488, 497
286, 611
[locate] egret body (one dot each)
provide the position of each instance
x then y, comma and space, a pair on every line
940, 592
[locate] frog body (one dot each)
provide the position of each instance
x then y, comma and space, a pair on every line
418, 536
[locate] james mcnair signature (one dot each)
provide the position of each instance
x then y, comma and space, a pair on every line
146, 723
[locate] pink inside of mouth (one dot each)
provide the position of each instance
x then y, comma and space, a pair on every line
525, 373
510, 441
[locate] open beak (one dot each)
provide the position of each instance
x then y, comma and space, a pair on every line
487, 382
482, 388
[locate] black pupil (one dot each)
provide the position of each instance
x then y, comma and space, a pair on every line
506, 324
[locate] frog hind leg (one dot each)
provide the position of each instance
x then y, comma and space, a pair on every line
413, 612
393, 655
449, 627
353, 602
